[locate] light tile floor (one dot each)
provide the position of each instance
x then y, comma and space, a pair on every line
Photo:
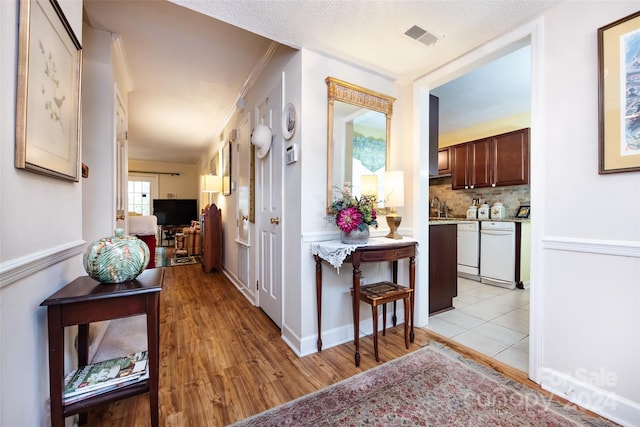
489, 319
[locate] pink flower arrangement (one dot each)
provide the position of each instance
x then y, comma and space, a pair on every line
352, 213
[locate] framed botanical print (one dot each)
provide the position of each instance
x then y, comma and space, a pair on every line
619, 95
48, 96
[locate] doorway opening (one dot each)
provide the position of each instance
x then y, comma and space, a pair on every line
493, 95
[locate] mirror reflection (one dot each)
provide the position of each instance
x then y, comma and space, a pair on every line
358, 135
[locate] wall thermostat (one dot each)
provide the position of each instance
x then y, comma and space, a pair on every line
291, 153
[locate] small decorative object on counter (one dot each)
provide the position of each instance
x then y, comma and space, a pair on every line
472, 212
353, 216
116, 259
497, 211
483, 211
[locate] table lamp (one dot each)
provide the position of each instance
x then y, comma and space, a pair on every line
369, 186
212, 184
393, 188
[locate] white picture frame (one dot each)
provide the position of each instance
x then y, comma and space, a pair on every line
288, 121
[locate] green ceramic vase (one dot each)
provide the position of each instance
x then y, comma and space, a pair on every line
116, 259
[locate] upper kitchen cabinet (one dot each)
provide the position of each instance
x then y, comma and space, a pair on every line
496, 161
444, 162
510, 158
471, 165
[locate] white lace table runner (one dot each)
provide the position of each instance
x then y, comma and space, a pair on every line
335, 252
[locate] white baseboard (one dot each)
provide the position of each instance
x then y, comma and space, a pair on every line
586, 395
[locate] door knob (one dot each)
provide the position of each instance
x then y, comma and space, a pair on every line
275, 220
245, 218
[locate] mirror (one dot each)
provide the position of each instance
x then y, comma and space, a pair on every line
358, 135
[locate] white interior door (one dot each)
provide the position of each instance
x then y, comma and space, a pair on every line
269, 210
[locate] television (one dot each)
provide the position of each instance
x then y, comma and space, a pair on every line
175, 211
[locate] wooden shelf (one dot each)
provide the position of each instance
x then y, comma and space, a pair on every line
84, 301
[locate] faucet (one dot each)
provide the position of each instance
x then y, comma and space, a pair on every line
433, 204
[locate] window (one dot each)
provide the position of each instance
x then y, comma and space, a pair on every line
140, 197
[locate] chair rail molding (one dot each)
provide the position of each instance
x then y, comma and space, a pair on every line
19, 268
625, 248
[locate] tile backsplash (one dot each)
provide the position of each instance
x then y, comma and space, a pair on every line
458, 201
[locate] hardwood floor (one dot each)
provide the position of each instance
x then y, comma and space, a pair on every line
222, 359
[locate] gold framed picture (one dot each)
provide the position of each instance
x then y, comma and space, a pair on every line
48, 95
619, 95
226, 169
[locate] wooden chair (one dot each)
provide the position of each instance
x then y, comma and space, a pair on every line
381, 293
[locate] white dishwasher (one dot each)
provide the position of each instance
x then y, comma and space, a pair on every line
469, 250
498, 254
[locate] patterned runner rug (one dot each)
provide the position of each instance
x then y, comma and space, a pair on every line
434, 386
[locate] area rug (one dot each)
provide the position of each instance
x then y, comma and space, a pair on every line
433, 386
184, 260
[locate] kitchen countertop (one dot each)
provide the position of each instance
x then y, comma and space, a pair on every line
455, 220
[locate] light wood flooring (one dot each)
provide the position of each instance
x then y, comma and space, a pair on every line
222, 359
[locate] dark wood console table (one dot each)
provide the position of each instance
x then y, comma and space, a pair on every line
85, 300
377, 250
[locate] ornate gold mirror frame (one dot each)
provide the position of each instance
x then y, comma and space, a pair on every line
339, 90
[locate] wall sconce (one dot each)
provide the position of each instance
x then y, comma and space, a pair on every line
393, 190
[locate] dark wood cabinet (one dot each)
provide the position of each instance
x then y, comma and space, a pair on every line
85, 301
510, 158
434, 118
491, 162
459, 166
211, 229
443, 267
444, 161
471, 166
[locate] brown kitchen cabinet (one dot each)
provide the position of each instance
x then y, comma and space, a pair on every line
443, 267
510, 158
444, 161
496, 161
471, 165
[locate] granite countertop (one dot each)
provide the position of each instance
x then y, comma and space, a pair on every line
455, 220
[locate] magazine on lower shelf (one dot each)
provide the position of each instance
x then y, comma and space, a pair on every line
108, 373
78, 397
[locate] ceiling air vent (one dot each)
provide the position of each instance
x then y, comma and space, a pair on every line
420, 34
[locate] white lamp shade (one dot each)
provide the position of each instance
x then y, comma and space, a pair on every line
212, 184
369, 185
393, 188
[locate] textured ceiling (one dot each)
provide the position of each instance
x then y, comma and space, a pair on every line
188, 69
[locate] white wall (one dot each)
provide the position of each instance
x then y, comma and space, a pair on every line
41, 242
585, 293
588, 264
300, 312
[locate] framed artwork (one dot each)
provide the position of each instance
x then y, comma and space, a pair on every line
48, 95
226, 169
215, 164
619, 95
523, 212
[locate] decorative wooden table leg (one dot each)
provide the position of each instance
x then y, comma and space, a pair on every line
319, 299
153, 341
412, 284
83, 359
356, 307
56, 364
